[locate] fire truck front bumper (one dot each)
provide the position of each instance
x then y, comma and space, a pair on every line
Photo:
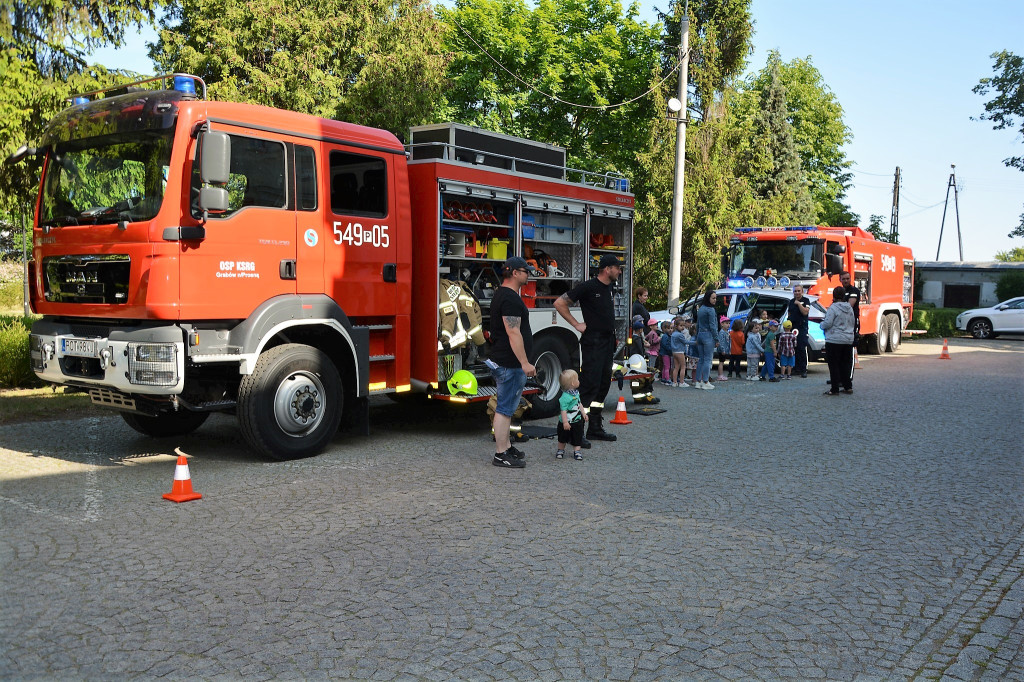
143, 361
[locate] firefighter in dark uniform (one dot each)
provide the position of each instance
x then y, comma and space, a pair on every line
597, 340
853, 294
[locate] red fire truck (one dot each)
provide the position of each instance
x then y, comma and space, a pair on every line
815, 256
193, 256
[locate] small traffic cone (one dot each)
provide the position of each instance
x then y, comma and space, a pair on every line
620, 413
181, 491
944, 355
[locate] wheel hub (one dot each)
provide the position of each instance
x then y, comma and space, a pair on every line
298, 404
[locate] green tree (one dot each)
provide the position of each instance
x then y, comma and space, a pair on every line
818, 132
876, 229
367, 62
1006, 107
1014, 255
555, 69
772, 162
56, 35
717, 198
1010, 285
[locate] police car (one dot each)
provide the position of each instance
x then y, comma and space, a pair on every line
737, 301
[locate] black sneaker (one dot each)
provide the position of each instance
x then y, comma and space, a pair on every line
507, 461
774, 380
516, 452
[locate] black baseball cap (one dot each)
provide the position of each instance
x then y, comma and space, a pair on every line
610, 259
516, 263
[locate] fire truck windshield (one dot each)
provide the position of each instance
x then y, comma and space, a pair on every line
103, 180
798, 260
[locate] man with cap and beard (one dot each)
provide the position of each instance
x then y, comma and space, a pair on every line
597, 339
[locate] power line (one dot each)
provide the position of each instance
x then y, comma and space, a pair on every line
530, 86
880, 175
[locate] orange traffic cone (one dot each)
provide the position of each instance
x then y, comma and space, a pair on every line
620, 413
944, 355
181, 491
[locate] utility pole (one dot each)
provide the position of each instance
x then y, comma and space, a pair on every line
894, 222
678, 107
956, 207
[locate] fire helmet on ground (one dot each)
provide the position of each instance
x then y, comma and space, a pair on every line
462, 381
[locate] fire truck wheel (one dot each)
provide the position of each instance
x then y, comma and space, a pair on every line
878, 342
290, 406
895, 333
549, 357
166, 424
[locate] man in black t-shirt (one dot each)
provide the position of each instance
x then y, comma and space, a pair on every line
508, 358
853, 298
597, 340
798, 311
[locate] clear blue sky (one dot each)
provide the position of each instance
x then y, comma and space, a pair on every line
903, 72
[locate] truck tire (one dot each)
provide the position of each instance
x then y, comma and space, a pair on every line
165, 424
895, 333
879, 341
550, 357
290, 406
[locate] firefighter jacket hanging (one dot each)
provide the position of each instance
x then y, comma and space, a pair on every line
460, 316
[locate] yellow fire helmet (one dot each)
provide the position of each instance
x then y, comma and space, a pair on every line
462, 381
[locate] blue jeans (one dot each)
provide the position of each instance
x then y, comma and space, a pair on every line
511, 382
769, 365
705, 355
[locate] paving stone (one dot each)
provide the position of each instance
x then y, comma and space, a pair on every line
861, 548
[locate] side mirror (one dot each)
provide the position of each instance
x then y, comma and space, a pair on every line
833, 264
215, 158
20, 153
213, 199
836, 247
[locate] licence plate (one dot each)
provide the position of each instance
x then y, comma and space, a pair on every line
82, 348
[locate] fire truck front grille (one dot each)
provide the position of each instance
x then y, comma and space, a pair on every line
99, 278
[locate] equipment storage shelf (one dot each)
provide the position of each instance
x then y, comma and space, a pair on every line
610, 233
553, 235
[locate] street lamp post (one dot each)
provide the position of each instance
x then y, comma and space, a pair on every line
677, 105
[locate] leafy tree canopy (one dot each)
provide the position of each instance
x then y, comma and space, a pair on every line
369, 62
819, 132
876, 229
555, 67
1006, 108
56, 35
1014, 255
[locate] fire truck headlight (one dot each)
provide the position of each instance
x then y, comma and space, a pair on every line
152, 364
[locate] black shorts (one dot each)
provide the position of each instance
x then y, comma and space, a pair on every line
574, 435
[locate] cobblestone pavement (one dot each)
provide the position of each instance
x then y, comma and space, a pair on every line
758, 531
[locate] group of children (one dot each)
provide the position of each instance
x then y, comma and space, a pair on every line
674, 349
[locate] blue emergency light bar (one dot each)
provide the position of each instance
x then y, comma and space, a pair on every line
801, 228
181, 82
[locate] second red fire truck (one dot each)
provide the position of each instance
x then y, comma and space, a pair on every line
816, 256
